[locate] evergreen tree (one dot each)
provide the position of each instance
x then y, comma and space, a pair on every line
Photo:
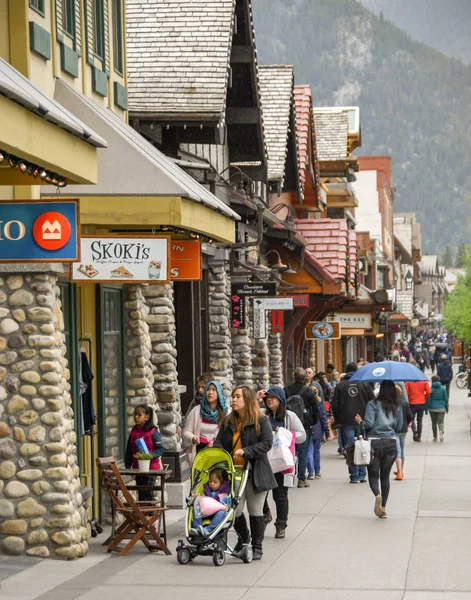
457, 310
460, 256
447, 258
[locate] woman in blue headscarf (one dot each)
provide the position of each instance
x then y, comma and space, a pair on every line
203, 422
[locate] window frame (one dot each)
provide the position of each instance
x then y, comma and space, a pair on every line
68, 18
40, 9
99, 30
118, 36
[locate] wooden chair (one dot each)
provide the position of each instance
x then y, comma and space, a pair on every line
142, 518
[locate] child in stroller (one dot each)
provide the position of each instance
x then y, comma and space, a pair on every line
219, 489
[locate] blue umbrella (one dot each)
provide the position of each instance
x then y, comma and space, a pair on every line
388, 369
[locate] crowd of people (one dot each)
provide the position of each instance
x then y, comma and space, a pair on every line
315, 407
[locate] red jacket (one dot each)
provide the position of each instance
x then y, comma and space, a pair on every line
418, 391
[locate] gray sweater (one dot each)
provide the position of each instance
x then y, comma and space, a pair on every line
378, 423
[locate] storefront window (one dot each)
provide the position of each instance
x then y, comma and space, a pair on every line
111, 372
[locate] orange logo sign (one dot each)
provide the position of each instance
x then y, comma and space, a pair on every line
185, 264
51, 231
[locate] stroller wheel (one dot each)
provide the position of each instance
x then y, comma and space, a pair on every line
219, 558
183, 556
247, 554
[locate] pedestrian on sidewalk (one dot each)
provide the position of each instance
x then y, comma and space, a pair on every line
280, 416
247, 435
201, 382
418, 392
203, 422
350, 399
311, 416
437, 406
382, 421
312, 383
445, 372
321, 428
407, 418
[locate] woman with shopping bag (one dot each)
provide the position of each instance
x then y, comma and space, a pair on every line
283, 422
382, 422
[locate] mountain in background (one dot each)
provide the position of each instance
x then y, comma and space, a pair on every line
443, 24
415, 102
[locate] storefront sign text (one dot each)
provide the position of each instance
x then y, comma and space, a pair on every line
245, 288
323, 330
39, 231
185, 262
362, 320
123, 259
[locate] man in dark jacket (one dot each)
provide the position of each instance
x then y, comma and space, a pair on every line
350, 399
445, 372
299, 388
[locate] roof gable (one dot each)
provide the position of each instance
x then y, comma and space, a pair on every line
307, 144
276, 91
178, 54
331, 133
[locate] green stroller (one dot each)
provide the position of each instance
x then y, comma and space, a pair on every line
215, 544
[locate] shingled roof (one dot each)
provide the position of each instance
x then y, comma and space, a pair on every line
178, 55
331, 134
276, 90
330, 241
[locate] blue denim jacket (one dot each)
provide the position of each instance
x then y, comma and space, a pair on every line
378, 423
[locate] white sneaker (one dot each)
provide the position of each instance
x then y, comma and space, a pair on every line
442, 436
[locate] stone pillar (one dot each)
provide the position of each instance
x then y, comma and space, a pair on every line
312, 354
162, 331
242, 352
41, 507
220, 350
275, 358
260, 358
139, 369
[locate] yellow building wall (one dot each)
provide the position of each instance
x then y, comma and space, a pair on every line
4, 31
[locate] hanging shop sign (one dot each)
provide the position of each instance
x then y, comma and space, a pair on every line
277, 303
277, 321
300, 300
123, 260
33, 231
362, 320
259, 320
185, 260
243, 289
247, 288
323, 330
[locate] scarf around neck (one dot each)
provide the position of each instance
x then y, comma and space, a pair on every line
212, 414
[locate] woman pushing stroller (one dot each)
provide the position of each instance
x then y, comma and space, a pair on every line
247, 435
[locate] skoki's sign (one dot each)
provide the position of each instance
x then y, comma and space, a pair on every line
39, 231
358, 320
123, 259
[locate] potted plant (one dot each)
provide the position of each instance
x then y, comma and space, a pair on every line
143, 459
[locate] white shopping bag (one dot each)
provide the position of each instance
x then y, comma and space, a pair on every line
362, 452
280, 456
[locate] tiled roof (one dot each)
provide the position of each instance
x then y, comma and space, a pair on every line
331, 133
327, 241
178, 55
276, 90
303, 100
352, 256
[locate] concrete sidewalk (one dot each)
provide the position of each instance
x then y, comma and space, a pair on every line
335, 548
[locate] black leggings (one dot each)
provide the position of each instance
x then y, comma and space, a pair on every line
280, 496
384, 453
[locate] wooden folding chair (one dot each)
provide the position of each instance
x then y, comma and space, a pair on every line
140, 517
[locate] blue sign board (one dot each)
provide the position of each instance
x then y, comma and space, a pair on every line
39, 231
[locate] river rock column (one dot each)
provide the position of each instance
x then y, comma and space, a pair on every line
219, 308
260, 358
162, 333
139, 369
242, 351
275, 357
41, 508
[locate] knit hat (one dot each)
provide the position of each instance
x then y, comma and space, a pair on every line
351, 368
278, 392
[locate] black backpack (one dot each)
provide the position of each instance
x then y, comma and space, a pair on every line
295, 403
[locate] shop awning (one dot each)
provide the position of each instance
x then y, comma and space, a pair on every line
37, 129
137, 184
397, 319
